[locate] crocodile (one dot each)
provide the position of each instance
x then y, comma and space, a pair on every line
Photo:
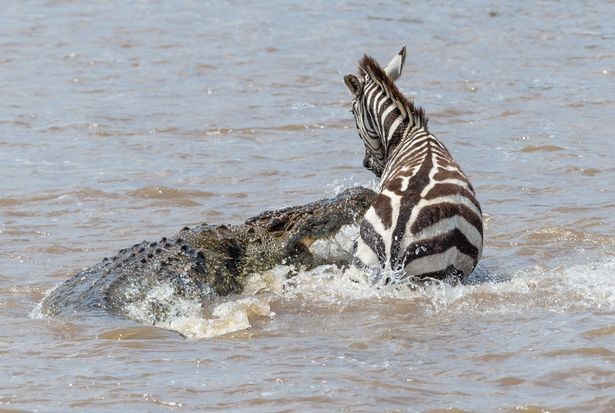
208, 261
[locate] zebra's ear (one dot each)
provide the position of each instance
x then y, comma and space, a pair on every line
395, 66
353, 84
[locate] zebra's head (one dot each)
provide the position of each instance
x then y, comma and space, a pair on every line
369, 95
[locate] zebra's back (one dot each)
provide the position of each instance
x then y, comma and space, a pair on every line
425, 220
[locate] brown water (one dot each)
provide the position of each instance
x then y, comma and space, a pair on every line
124, 121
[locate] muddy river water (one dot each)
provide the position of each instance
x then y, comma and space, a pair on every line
123, 121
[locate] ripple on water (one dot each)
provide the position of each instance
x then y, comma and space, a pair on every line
559, 235
134, 333
8, 410
541, 148
447, 410
509, 381
584, 171
161, 192
600, 332
583, 352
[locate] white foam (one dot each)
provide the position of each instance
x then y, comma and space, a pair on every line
228, 317
338, 247
337, 186
580, 287
187, 317
37, 312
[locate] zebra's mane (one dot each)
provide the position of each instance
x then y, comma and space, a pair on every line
369, 66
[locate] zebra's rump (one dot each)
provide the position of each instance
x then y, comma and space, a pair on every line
447, 254
442, 239
438, 238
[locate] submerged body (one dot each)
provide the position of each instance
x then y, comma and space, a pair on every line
207, 261
425, 220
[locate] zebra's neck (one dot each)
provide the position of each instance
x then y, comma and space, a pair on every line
402, 131
403, 136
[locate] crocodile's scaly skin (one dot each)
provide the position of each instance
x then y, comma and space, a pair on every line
207, 261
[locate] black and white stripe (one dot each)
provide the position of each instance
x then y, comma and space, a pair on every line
425, 221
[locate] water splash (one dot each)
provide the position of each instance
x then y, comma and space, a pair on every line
228, 317
578, 288
563, 289
189, 318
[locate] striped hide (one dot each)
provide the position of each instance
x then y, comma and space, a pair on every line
425, 221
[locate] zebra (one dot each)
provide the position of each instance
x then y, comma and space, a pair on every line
425, 221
